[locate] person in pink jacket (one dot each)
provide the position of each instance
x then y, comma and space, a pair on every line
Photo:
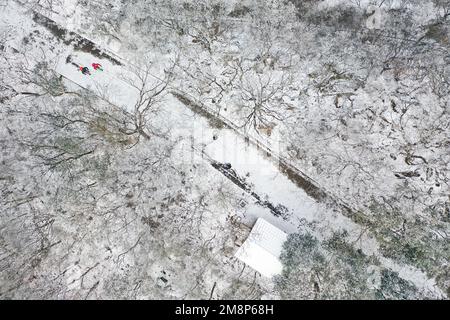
97, 66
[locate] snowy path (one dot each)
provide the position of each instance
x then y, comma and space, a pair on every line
112, 58
105, 84
222, 146
288, 203
259, 172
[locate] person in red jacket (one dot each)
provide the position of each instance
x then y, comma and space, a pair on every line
97, 66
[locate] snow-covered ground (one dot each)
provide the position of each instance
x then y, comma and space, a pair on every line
221, 145
199, 142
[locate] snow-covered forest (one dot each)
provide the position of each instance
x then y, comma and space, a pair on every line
328, 118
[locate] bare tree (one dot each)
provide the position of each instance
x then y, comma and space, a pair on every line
150, 92
263, 100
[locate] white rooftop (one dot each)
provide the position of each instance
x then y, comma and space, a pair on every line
262, 249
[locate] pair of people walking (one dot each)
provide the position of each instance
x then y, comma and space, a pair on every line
86, 71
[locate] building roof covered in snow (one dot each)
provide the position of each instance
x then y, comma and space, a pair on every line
262, 249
